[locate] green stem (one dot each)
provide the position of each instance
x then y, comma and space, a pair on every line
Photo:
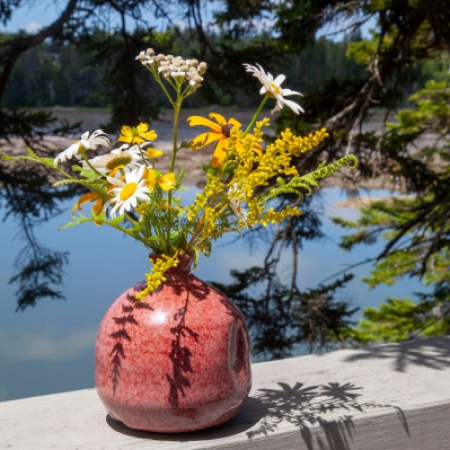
102, 175
142, 155
199, 226
176, 120
124, 230
70, 177
260, 107
187, 91
37, 159
130, 219
159, 81
175, 134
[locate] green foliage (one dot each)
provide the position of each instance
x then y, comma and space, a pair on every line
88, 75
364, 51
432, 112
402, 319
416, 227
437, 68
61, 76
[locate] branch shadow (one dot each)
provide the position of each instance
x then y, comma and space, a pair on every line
181, 356
185, 284
307, 406
120, 335
433, 353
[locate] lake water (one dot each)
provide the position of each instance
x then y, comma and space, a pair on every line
50, 348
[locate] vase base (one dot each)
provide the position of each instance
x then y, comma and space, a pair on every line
183, 422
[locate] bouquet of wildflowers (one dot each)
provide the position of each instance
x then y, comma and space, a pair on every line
128, 192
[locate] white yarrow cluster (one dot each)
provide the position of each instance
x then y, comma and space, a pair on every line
176, 67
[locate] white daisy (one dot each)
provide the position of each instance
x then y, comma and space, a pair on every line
85, 143
272, 88
127, 192
235, 204
123, 158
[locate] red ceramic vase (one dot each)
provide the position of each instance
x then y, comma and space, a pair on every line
177, 361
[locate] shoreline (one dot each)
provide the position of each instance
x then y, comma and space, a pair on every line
192, 160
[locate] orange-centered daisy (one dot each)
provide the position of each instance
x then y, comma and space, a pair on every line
220, 131
137, 134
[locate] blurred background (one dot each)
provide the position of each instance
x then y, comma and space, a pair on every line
366, 262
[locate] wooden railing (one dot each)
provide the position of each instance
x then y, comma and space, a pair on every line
380, 398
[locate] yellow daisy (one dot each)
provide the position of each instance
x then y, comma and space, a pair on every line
220, 131
166, 182
137, 134
152, 153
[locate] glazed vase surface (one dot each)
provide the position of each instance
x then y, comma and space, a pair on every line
177, 361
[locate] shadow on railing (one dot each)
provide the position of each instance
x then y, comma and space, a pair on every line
433, 353
327, 406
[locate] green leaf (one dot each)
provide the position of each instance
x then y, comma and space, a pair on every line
179, 176
297, 185
74, 223
90, 174
68, 181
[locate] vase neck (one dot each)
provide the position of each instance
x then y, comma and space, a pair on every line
184, 265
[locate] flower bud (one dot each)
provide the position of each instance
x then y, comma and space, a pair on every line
202, 68
141, 57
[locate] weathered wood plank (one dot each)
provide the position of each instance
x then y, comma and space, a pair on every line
381, 398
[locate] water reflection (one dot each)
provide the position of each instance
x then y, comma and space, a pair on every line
50, 348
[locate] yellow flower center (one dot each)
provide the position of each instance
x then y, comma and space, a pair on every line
275, 88
120, 161
128, 190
